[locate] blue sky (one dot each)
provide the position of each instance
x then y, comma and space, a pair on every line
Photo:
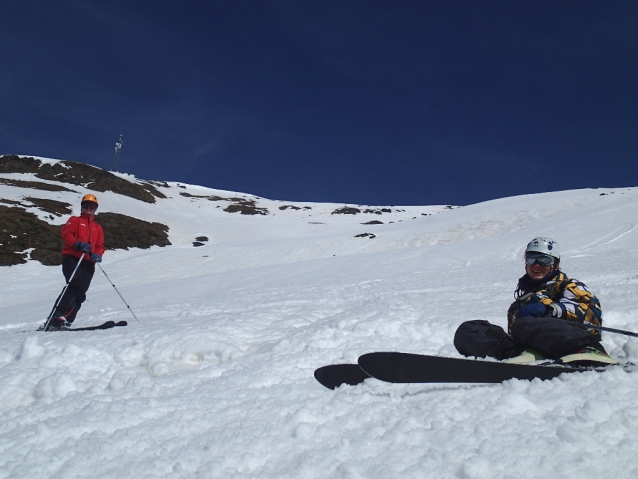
371, 102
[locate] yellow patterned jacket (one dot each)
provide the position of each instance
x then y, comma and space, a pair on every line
566, 298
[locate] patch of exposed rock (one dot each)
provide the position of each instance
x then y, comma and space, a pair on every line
80, 174
24, 236
293, 207
124, 232
58, 208
246, 207
350, 210
22, 231
36, 185
239, 205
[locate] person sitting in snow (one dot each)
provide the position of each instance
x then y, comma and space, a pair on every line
84, 242
538, 322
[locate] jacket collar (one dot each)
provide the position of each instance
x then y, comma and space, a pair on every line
526, 284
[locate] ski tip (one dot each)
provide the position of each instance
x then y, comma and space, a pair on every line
334, 375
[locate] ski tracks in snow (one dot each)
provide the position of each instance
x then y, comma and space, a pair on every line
606, 239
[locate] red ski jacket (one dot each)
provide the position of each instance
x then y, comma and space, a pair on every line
82, 228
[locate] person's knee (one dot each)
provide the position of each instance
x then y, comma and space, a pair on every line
520, 325
478, 338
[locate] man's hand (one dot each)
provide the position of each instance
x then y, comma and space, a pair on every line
84, 247
96, 258
535, 310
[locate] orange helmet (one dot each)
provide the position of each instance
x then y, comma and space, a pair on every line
89, 197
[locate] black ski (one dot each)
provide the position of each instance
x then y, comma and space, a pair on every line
418, 368
335, 375
107, 325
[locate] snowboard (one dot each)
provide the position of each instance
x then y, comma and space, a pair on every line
417, 368
335, 375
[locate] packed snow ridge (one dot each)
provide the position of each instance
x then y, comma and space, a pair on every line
217, 380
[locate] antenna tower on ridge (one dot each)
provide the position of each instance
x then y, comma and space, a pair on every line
118, 147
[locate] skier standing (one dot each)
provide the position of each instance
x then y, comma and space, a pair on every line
84, 241
537, 322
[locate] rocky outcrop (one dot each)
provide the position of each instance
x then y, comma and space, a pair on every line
81, 174
24, 236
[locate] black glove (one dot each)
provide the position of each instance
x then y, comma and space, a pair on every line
84, 247
96, 258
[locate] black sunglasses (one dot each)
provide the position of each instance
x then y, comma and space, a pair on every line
539, 258
89, 205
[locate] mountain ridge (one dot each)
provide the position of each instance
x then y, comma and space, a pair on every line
33, 221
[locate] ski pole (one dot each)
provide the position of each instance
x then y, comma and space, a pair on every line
602, 328
55, 306
129, 308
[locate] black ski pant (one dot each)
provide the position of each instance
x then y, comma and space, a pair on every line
69, 304
554, 338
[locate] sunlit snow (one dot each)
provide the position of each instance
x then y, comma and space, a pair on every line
217, 380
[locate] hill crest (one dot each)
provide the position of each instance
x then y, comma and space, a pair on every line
37, 195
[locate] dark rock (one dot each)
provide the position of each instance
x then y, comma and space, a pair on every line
22, 230
11, 202
206, 197
246, 207
215, 198
80, 174
124, 232
36, 185
346, 210
58, 208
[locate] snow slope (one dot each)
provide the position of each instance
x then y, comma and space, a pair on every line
217, 380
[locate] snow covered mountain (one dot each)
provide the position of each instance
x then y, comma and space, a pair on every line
251, 295
38, 193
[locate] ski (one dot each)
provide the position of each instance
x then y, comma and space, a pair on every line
417, 368
335, 375
106, 325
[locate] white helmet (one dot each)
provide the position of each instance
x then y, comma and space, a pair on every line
545, 246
